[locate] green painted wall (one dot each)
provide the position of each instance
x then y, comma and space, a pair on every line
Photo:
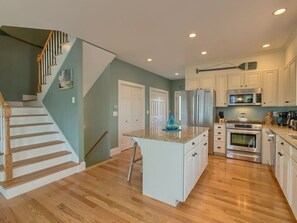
99, 102
69, 116
18, 68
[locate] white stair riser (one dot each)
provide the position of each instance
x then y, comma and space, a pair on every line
40, 165
28, 120
30, 129
33, 140
17, 156
23, 188
26, 111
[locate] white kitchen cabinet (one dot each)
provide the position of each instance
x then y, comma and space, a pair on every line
285, 173
191, 83
219, 139
288, 85
279, 163
221, 90
293, 188
189, 173
245, 80
206, 82
270, 88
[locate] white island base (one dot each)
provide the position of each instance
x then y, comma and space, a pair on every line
171, 169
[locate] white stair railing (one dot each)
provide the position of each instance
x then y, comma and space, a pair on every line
5, 113
47, 58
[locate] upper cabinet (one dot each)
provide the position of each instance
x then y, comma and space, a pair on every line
270, 88
245, 80
206, 82
287, 85
191, 83
221, 90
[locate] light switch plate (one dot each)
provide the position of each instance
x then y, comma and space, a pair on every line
115, 113
73, 100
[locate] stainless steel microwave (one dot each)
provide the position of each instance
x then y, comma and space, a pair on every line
245, 97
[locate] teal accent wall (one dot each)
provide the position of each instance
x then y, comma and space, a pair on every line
18, 68
100, 100
69, 116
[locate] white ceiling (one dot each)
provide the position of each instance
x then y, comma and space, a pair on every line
136, 30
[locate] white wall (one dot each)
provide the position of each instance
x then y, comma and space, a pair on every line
268, 60
291, 50
95, 60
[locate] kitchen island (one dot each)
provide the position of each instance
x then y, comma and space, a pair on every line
172, 161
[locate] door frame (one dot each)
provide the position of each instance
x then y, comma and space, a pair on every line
167, 105
176, 97
131, 84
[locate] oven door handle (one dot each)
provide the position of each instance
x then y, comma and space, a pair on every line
250, 132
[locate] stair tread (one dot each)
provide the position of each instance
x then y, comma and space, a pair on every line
33, 134
36, 146
31, 124
23, 106
30, 115
38, 174
29, 100
37, 159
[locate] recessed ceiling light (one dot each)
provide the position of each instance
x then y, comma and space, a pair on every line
279, 11
204, 53
192, 35
149, 59
266, 45
176, 74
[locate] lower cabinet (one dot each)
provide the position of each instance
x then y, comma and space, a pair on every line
293, 188
195, 163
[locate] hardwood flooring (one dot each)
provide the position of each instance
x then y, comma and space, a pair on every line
228, 191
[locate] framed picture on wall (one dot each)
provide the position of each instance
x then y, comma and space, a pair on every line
66, 79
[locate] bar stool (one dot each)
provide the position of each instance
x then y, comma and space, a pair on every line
133, 161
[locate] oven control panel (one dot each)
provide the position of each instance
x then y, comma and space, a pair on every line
244, 126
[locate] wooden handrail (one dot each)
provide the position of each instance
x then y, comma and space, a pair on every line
45, 46
7, 158
96, 143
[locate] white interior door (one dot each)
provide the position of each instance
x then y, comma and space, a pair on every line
131, 111
158, 107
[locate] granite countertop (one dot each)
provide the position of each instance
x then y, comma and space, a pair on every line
186, 134
283, 132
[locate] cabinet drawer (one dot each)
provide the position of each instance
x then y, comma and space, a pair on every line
192, 144
219, 133
219, 138
219, 147
204, 135
285, 146
219, 127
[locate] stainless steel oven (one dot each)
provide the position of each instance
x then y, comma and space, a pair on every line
244, 141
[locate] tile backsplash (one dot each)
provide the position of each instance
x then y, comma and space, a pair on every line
252, 112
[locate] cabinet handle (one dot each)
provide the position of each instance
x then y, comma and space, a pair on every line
193, 154
219, 147
279, 153
219, 127
219, 138
246, 85
193, 143
269, 140
219, 133
205, 143
225, 103
264, 102
240, 85
286, 101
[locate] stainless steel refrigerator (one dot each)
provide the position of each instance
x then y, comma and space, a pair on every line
198, 109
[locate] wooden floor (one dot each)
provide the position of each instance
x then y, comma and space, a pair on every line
228, 191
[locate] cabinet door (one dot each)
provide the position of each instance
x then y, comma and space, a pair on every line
279, 165
221, 90
206, 82
197, 164
285, 173
292, 83
293, 186
188, 174
270, 88
253, 80
235, 81
205, 157
284, 87
191, 83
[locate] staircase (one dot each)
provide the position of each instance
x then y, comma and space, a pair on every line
33, 151
39, 154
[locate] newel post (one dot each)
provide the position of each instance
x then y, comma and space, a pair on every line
7, 163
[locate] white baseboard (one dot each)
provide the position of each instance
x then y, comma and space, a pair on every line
115, 151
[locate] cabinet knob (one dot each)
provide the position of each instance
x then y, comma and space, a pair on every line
193, 143
225, 103
282, 143
219, 127
240, 85
286, 101
264, 102
246, 85
219, 138
205, 143
279, 153
219, 133
269, 140
203, 135
219, 147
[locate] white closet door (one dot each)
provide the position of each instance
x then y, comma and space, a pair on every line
131, 111
158, 108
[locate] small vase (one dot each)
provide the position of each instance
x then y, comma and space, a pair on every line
171, 123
